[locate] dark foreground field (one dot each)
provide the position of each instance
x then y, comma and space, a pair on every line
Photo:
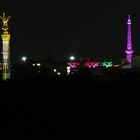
81, 107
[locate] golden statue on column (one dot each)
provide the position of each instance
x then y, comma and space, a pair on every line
5, 48
5, 21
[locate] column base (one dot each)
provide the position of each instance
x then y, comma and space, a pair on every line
5, 76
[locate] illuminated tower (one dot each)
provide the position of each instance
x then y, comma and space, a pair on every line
129, 51
5, 48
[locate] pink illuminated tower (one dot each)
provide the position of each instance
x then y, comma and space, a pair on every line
129, 51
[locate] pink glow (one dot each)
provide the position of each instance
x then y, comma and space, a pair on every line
129, 51
85, 63
73, 64
91, 64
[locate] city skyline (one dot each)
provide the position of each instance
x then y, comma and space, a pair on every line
85, 97
60, 29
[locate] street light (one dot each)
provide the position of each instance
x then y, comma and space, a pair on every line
38, 64
72, 58
24, 58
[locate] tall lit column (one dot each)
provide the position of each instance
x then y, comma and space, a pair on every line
5, 48
129, 51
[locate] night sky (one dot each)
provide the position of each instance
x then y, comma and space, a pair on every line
58, 29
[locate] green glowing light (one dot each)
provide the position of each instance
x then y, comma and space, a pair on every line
107, 64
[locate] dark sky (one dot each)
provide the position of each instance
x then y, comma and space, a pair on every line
61, 28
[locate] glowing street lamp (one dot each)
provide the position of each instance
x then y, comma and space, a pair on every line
58, 73
24, 58
72, 58
38, 64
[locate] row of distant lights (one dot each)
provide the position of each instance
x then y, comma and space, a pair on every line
68, 71
24, 58
58, 73
38, 64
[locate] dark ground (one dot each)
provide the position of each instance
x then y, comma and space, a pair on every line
66, 108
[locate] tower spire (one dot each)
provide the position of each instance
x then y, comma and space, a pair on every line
129, 50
